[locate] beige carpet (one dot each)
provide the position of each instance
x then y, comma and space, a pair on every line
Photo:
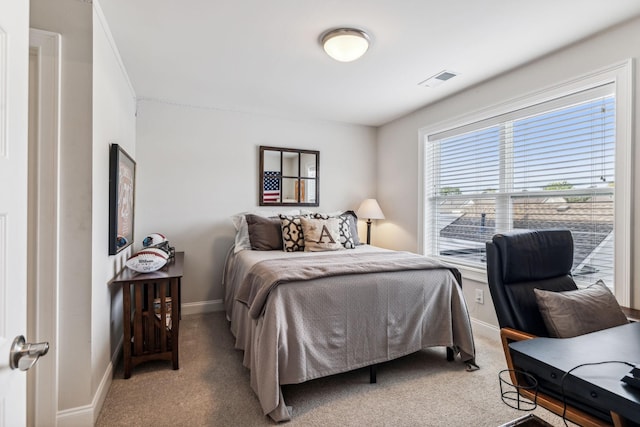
211, 388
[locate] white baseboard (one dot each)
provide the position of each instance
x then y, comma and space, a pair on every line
103, 390
87, 415
485, 330
76, 417
202, 307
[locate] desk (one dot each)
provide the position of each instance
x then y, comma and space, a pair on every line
151, 313
599, 386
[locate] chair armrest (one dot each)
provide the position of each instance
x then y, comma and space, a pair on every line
515, 335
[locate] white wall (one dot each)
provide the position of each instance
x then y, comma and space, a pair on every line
72, 19
398, 177
197, 167
97, 107
114, 121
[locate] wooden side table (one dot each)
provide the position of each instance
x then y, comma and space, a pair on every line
151, 313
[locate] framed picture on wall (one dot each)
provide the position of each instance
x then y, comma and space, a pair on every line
289, 177
122, 174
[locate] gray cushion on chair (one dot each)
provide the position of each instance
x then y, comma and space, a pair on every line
572, 313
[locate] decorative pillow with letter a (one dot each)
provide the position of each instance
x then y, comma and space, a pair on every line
321, 234
346, 220
572, 313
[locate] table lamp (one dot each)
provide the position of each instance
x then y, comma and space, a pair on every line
370, 209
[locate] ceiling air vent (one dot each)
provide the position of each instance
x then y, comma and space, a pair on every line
438, 79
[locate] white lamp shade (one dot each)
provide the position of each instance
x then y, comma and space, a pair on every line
370, 209
345, 45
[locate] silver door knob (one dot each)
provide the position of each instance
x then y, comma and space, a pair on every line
24, 355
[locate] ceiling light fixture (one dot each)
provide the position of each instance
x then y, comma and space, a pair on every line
345, 44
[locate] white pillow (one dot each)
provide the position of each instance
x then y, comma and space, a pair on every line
242, 241
321, 234
347, 223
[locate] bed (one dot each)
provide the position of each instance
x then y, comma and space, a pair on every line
304, 315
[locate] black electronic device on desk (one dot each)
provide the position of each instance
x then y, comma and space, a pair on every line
633, 377
587, 368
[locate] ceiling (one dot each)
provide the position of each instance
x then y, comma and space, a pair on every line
263, 56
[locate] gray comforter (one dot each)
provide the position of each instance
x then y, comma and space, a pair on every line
310, 317
266, 275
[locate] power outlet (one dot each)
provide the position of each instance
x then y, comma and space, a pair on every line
479, 296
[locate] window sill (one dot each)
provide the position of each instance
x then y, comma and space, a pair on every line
471, 273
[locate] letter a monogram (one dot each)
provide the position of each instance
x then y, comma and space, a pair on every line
322, 234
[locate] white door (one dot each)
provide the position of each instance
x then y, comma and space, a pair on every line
14, 56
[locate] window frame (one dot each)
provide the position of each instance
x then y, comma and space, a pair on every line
621, 76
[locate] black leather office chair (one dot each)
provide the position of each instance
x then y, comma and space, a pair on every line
518, 262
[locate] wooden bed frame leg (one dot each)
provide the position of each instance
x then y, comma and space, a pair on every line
449, 354
372, 374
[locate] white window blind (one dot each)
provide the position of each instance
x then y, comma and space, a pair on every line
550, 165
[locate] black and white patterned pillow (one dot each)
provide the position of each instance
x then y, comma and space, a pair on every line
292, 236
346, 238
352, 220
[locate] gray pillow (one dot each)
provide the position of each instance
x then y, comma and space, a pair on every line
572, 313
353, 225
264, 233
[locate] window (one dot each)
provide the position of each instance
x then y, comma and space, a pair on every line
548, 164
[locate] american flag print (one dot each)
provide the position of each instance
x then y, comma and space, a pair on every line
271, 191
